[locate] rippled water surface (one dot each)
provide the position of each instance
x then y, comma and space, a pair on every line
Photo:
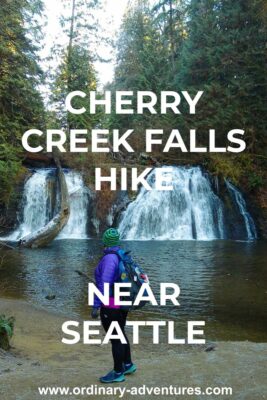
222, 282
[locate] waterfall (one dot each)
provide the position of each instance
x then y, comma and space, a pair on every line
193, 210
240, 201
39, 204
35, 204
190, 211
76, 227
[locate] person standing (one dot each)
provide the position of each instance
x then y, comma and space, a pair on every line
107, 271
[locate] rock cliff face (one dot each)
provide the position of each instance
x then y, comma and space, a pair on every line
257, 204
10, 214
234, 224
38, 160
99, 220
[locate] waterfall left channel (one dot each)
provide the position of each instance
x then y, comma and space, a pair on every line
40, 204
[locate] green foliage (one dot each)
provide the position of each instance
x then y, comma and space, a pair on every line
81, 24
145, 58
169, 18
9, 173
76, 70
218, 47
7, 325
74, 73
224, 55
255, 181
21, 105
6, 331
225, 167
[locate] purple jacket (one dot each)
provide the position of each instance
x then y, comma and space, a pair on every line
107, 271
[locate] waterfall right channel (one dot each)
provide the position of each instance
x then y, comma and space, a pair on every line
190, 211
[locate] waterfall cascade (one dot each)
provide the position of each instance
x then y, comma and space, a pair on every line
35, 204
190, 211
39, 207
76, 227
241, 204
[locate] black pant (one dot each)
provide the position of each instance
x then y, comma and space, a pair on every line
121, 352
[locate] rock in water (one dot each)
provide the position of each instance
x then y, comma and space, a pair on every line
50, 296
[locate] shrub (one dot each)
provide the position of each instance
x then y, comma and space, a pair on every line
255, 181
6, 331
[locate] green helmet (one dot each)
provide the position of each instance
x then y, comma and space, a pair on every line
111, 237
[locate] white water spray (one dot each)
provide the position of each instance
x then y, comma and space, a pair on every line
37, 206
190, 211
76, 227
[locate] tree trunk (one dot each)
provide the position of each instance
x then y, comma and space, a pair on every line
71, 36
45, 235
172, 35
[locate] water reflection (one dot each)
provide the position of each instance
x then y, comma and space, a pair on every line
223, 283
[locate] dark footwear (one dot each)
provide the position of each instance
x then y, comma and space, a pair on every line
130, 369
113, 376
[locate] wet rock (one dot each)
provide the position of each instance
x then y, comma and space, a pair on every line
11, 212
234, 223
50, 296
110, 214
39, 160
36, 364
211, 347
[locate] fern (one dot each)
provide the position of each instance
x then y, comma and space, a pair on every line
7, 325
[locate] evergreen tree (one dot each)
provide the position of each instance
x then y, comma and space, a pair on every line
75, 73
80, 23
21, 106
224, 55
169, 16
244, 66
200, 66
142, 61
75, 70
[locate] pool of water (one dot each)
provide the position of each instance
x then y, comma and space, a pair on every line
222, 282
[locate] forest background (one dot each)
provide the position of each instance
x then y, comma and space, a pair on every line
218, 46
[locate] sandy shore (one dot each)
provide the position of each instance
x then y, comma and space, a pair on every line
38, 358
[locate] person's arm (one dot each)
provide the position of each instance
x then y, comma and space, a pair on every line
105, 273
